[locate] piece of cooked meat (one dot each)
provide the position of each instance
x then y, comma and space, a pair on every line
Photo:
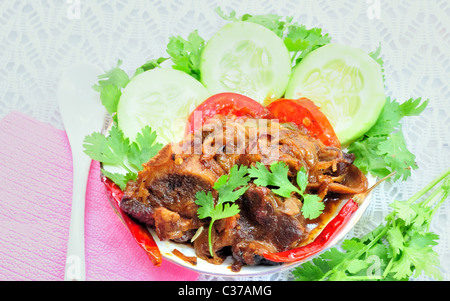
170, 181
163, 196
170, 225
269, 223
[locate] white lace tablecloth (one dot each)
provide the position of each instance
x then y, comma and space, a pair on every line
40, 38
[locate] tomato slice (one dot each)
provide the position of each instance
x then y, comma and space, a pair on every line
226, 104
304, 113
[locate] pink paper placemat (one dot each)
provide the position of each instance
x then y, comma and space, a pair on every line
35, 204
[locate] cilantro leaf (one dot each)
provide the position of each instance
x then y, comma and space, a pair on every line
397, 250
393, 112
302, 179
307, 272
185, 54
120, 179
205, 203
376, 55
302, 41
111, 149
115, 76
230, 17
229, 187
143, 148
395, 238
411, 213
356, 265
312, 206
417, 254
225, 210
270, 21
277, 176
226, 185
397, 156
110, 87
110, 96
413, 107
116, 150
366, 157
382, 149
151, 64
207, 208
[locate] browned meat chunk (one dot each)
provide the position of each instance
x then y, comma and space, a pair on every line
268, 223
170, 181
163, 196
170, 225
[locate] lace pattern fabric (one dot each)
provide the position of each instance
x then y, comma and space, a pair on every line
40, 39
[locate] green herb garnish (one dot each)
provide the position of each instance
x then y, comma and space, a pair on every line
396, 250
116, 150
229, 187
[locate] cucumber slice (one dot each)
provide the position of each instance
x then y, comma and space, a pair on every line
346, 83
246, 58
161, 98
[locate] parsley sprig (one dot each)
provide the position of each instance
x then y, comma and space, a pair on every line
117, 151
229, 187
383, 150
278, 177
110, 87
185, 54
396, 250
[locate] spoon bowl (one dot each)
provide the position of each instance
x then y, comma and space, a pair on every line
82, 113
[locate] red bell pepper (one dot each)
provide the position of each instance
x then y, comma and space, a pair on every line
139, 232
327, 234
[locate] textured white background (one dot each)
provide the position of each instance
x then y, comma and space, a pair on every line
39, 39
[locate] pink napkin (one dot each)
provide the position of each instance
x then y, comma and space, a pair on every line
35, 203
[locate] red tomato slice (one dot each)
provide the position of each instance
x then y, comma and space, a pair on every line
304, 113
225, 104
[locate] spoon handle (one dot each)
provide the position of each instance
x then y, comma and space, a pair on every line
75, 261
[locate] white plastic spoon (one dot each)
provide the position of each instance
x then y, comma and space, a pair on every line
82, 113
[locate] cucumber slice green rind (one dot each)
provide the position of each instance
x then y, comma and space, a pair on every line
162, 98
246, 58
346, 83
